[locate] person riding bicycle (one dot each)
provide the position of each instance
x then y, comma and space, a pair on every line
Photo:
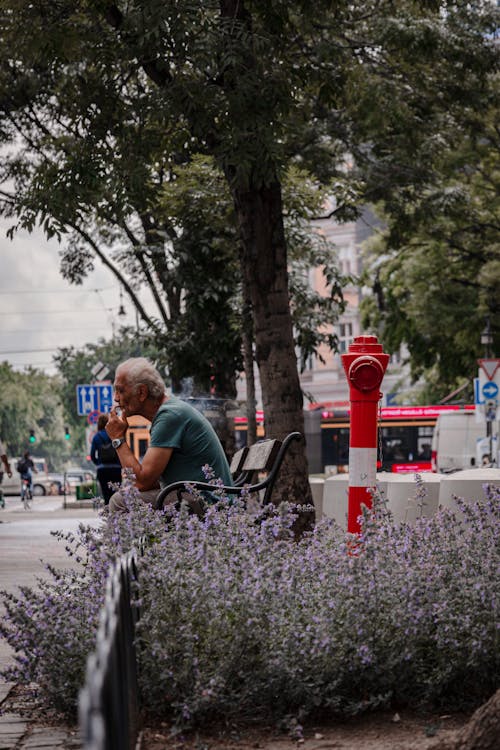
26, 467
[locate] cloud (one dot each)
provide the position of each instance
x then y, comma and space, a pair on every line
40, 310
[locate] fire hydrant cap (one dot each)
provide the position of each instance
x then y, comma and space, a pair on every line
366, 373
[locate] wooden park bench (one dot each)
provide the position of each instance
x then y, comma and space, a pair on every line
246, 464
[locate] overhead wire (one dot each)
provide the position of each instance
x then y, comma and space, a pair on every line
55, 291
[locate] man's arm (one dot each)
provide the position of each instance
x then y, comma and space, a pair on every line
148, 472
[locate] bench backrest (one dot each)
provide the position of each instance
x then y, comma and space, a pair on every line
248, 461
264, 456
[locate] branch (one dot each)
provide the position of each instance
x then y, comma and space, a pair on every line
115, 18
8, 196
116, 272
147, 273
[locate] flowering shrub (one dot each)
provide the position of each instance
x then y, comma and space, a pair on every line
238, 619
52, 628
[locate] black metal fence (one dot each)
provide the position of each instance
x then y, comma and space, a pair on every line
109, 700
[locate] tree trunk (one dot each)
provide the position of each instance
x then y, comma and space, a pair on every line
265, 274
249, 371
482, 731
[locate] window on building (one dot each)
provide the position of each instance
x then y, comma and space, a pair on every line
345, 336
346, 259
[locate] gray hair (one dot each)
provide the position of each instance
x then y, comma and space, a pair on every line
140, 371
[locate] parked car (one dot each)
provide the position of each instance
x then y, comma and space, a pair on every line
43, 483
78, 475
73, 476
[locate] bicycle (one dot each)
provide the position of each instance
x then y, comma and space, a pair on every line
26, 494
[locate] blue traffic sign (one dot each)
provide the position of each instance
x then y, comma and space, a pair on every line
478, 400
98, 397
490, 390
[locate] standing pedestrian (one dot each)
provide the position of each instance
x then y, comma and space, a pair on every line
105, 457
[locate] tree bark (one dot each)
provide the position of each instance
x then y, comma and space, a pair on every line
482, 731
264, 261
249, 370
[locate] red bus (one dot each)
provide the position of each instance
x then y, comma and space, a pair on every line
405, 436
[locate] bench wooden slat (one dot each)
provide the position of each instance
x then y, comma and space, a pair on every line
261, 456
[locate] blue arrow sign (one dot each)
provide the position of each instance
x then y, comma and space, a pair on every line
105, 396
490, 390
94, 398
86, 399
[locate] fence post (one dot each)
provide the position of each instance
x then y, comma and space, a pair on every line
109, 700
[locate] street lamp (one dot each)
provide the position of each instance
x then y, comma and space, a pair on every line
487, 338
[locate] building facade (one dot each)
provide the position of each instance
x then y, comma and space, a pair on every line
323, 380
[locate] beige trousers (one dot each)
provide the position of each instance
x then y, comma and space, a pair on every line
117, 502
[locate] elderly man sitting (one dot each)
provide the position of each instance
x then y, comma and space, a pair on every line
182, 440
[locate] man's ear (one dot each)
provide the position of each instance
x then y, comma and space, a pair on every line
142, 391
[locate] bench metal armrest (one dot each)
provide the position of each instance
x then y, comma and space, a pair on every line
186, 485
271, 477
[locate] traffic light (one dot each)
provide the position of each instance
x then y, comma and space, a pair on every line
32, 436
67, 435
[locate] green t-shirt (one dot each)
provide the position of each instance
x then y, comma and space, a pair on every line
180, 426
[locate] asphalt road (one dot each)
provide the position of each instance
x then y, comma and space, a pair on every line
26, 543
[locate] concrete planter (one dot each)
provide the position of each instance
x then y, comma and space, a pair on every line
317, 486
467, 484
398, 489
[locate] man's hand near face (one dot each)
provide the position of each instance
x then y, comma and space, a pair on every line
148, 472
116, 426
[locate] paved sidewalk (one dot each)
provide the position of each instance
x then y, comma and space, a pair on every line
26, 541
19, 731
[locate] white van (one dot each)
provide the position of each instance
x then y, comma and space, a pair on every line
41, 483
454, 441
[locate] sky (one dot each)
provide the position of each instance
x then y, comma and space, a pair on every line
40, 311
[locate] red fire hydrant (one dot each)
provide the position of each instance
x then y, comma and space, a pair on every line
364, 364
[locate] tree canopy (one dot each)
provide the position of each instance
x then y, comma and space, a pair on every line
439, 260
364, 95
30, 401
